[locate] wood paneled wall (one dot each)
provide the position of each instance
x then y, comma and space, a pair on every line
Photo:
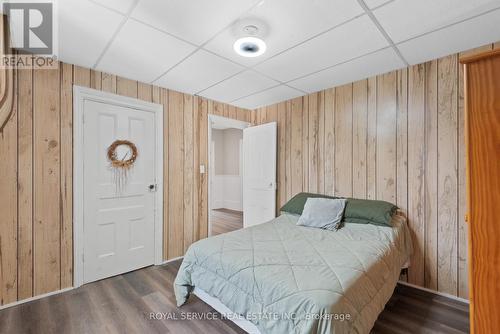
397, 137
36, 155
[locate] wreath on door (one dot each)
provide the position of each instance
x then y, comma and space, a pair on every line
122, 165
125, 162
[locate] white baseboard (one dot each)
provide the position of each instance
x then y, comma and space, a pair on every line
233, 205
442, 294
172, 260
27, 300
218, 204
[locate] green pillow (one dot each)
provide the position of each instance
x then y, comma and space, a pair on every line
296, 204
360, 211
370, 211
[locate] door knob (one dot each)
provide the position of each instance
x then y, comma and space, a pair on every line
152, 187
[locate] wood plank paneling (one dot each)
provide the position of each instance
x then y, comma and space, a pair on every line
36, 251
81, 76
371, 146
145, 92
161, 96
281, 166
320, 148
203, 190
386, 137
108, 83
305, 143
175, 167
188, 172
392, 137
343, 141
243, 115
8, 200
313, 142
47, 181
288, 149
296, 176
402, 140
321, 142
329, 158
416, 171
430, 178
25, 184
126, 87
359, 137
447, 174
218, 108
95, 79
196, 167
67, 173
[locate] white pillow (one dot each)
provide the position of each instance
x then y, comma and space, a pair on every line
325, 213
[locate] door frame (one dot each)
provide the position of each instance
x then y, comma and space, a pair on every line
231, 124
80, 95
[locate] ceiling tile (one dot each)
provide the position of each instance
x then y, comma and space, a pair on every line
353, 39
404, 19
285, 23
240, 85
199, 71
375, 3
376, 63
459, 37
268, 97
84, 31
142, 53
122, 6
194, 21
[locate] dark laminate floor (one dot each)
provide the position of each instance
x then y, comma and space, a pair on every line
224, 220
123, 304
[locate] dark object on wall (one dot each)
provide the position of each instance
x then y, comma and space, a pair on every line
6, 77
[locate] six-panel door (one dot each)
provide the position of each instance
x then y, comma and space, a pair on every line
118, 204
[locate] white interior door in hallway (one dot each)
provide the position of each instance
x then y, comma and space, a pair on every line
259, 174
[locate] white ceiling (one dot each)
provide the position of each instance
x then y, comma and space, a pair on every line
186, 45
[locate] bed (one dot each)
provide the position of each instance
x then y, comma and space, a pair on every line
283, 278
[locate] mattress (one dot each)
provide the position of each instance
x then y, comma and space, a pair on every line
285, 278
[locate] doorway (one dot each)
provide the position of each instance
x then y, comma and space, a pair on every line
225, 196
118, 158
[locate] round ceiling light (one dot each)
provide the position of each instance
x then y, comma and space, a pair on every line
250, 46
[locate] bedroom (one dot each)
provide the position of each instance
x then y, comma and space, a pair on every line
368, 166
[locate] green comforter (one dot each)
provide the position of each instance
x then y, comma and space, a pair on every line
291, 279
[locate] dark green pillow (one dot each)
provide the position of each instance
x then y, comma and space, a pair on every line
360, 211
370, 211
296, 204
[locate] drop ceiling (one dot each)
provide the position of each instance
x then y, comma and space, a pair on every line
187, 45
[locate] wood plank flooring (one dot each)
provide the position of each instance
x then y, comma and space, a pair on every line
225, 220
123, 304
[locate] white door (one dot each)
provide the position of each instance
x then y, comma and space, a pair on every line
259, 174
119, 234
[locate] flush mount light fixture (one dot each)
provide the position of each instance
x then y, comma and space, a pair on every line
249, 46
